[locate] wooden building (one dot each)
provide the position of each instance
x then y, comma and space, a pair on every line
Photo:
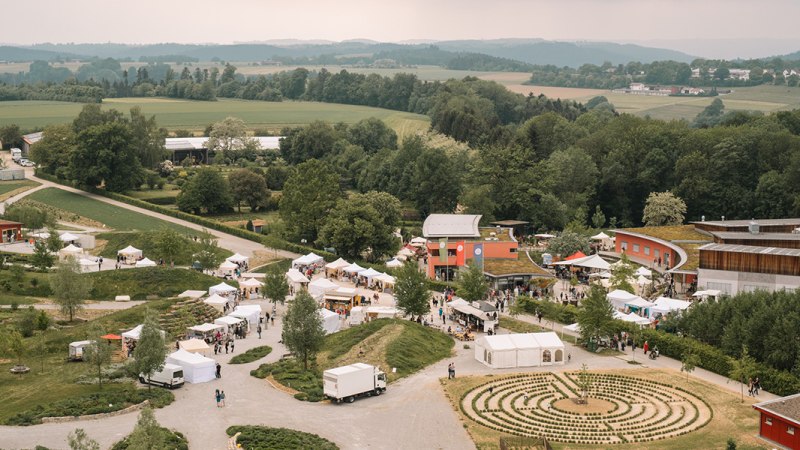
743, 226
780, 421
12, 231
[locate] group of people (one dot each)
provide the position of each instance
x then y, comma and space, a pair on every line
753, 386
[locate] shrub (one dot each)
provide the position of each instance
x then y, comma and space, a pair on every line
260, 437
251, 355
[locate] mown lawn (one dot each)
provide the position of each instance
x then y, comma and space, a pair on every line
11, 188
112, 216
145, 241
142, 282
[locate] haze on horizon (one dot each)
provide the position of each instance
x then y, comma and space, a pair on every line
711, 28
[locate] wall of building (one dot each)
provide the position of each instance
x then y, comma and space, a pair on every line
491, 250
732, 282
750, 262
777, 431
645, 248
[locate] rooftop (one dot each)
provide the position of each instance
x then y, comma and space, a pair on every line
499, 267
33, 137
510, 223
752, 249
199, 143
502, 234
725, 235
744, 223
670, 233
451, 225
786, 407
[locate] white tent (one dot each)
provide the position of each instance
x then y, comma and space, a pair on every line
88, 264
394, 263
217, 301
600, 236
382, 312
353, 268
418, 241
664, 305
356, 315
191, 294
145, 263
296, 277
320, 286
250, 283
70, 251
603, 274
643, 272
227, 322
134, 333
385, 279
130, 254
248, 313
457, 301
707, 293
330, 320
41, 235
590, 262
337, 265
205, 328
544, 236
237, 258
519, 350
369, 273
307, 260
637, 319
69, 237
405, 253
642, 280
618, 298
221, 288
250, 288
639, 302
196, 368
195, 345
575, 328
227, 268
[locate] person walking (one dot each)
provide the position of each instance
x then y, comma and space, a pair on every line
232, 343
259, 331
219, 371
222, 397
217, 396
756, 386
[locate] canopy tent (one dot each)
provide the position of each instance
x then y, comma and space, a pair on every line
191, 294
111, 337
76, 349
253, 275
319, 286
251, 288
476, 316
217, 301
405, 253
227, 268
205, 328
195, 345
603, 274
196, 368
600, 236
70, 251
307, 260
386, 279
249, 312
640, 303
356, 315
575, 328
520, 350
40, 235
635, 318
294, 276
369, 274
394, 263
353, 268
418, 241
643, 272
544, 236
135, 332
457, 301
664, 306
337, 265
577, 255
69, 237
250, 283
382, 312
618, 298
88, 264
221, 288
642, 280
330, 320
237, 259
707, 293
228, 321
589, 262
145, 263
130, 254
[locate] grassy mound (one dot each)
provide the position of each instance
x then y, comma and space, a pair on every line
386, 343
174, 440
262, 438
145, 241
99, 402
186, 314
251, 355
139, 283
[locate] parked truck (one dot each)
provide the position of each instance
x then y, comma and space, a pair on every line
16, 154
170, 376
348, 382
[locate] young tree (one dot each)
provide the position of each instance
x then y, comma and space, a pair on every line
689, 361
40, 349
98, 354
79, 440
472, 285
26, 324
276, 288
743, 368
14, 344
596, 318
302, 331
209, 255
151, 349
147, 434
598, 218
663, 208
170, 244
584, 382
411, 290
69, 288
42, 259
54, 242
621, 274
568, 243
249, 188
309, 195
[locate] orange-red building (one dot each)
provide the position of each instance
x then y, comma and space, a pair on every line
11, 231
460, 236
780, 421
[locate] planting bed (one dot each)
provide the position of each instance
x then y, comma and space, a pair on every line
621, 409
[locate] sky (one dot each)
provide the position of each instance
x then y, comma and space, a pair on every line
728, 27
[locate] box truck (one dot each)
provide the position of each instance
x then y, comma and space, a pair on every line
16, 154
348, 382
170, 376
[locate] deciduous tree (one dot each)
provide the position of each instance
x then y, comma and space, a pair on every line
663, 209
249, 188
98, 353
151, 349
69, 288
411, 290
42, 259
596, 318
207, 190
302, 331
472, 285
689, 361
568, 243
276, 288
309, 195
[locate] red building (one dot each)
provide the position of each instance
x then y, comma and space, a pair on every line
780, 421
11, 231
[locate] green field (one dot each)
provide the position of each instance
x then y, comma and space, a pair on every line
112, 216
195, 115
12, 188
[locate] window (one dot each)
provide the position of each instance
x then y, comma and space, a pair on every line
656, 253
790, 430
435, 252
768, 421
624, 245
635, 248
546, 355
513, 250
646, 250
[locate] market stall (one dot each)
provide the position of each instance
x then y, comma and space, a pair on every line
251, 288
618, 298
240, 260
195, 345
196, 368
131, 337
249, 312
70, 251
217, 301
227, 268
330, 320
394, 263
311, 259
319, 286
333, 269
228, 322
663, 306
205, 331
69, 237
297, 281
222, 289
129, 255
385, 282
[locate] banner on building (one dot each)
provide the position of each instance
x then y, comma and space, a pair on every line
461, 253
443, 250
477, 251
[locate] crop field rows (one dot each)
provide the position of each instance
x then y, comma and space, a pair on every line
620, 409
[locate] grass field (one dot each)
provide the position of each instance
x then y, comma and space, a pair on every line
11, 188
112, 216
195, 115
108, 244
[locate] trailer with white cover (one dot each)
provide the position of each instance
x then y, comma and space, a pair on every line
76, 349
348, 382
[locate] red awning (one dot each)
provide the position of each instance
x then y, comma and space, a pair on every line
111, 337
576, 255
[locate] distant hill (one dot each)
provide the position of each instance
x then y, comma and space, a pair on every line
530, 51
20, 54
790, 57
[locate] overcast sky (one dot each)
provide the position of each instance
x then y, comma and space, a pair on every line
227, 21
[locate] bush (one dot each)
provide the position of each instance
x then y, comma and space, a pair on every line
260, 438
173, 440
290, 373
251, 355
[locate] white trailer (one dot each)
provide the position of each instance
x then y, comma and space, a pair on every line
76, 349
16, 154
348, 382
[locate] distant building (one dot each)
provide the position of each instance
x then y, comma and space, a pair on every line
643, 89
195, 147
28, 140
10, 231
780, 421
495, 248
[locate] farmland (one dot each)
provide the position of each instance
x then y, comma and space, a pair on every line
195, 115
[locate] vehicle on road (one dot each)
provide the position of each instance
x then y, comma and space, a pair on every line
346, 383
25, 162
171, 377
16, 154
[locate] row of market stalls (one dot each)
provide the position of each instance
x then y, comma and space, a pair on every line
475, 316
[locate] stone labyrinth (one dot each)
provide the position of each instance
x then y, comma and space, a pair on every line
621, 409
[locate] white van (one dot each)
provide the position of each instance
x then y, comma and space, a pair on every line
171, 377
16, 154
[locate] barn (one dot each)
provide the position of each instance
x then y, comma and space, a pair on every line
780, 421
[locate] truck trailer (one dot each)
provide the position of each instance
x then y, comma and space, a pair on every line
348, 382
